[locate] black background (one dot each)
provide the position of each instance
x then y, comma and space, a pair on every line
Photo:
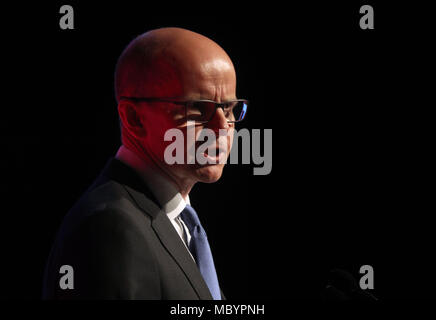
351, 182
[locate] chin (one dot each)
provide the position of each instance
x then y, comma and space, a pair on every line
210, 173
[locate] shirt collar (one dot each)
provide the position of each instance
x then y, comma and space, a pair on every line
166, 193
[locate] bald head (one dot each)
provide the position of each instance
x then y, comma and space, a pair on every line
179, 64
169, 62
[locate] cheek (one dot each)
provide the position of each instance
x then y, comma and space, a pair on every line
230, 140
156, 127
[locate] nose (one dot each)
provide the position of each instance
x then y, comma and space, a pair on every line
219, 121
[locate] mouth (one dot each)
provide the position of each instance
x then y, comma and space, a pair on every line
217, 158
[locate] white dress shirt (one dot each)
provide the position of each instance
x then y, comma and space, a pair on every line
166, 193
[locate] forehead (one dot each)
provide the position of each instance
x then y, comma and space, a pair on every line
214, 80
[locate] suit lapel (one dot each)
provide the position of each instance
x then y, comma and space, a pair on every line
172, 242
165, 231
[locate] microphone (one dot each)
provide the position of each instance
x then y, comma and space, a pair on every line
342, 285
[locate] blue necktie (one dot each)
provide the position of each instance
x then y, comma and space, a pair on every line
200, 249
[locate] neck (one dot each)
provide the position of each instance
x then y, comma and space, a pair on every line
146, 161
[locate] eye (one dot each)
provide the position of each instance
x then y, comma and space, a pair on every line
230, 105
197, 107
177, 111
228, 108
194, 110
200, 110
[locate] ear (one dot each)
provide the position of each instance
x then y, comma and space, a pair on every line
130, 116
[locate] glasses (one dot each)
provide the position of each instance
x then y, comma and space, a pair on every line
204, 110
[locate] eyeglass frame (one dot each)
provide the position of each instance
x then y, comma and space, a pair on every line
187, 102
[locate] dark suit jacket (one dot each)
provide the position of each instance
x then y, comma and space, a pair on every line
121, 245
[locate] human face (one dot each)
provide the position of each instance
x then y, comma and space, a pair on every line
213, 80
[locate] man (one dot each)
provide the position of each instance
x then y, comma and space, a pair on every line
133, 234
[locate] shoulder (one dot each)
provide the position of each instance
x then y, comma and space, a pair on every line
107, 208
108, 241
